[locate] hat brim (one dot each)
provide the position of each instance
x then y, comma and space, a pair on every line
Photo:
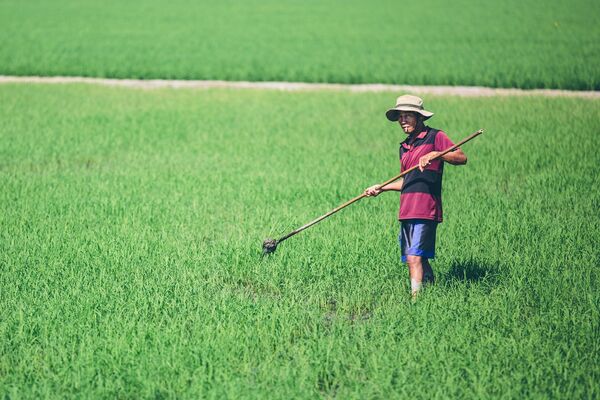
394, 113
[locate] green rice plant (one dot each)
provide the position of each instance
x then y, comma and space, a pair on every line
525, 44
131, 225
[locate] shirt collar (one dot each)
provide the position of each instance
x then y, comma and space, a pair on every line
421, 135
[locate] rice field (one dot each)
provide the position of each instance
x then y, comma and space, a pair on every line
131, 225
514, 43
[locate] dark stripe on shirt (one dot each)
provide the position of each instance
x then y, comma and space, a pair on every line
423, 182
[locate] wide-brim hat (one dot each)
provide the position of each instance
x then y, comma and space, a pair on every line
408, 102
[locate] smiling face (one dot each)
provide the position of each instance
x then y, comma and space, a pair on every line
408, 121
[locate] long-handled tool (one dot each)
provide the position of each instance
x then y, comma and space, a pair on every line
270, 245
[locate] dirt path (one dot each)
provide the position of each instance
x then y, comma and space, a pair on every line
466, 91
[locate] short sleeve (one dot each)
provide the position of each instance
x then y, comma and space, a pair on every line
442, 142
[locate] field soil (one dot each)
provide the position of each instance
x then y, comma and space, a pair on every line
465, 91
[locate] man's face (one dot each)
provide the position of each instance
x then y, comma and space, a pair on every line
408, 121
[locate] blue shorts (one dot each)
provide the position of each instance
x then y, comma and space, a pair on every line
417, 238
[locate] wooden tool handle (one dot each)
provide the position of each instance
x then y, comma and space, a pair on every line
354, 200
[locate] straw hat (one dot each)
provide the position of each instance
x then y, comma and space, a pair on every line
407, 103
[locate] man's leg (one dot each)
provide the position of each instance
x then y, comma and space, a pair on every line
428, 276
418, 237
415, 268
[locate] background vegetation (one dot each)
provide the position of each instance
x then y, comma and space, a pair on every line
513, 43
131, 225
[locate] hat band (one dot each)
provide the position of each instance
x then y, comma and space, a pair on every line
409, 105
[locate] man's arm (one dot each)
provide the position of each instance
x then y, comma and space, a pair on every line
394, 186
376, 189
456, 157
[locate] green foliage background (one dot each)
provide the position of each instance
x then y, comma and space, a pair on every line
132, 223
513, 43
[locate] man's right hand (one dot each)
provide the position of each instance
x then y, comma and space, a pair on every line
373, 191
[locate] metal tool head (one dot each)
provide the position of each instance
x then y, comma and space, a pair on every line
269, 246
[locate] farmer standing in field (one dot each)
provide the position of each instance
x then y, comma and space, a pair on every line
421, 189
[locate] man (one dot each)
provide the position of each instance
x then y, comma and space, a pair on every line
421, 189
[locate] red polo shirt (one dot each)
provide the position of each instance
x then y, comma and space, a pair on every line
421, 196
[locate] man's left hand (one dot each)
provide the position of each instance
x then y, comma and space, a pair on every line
426, 160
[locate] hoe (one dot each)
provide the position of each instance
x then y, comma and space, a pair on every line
270, 245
